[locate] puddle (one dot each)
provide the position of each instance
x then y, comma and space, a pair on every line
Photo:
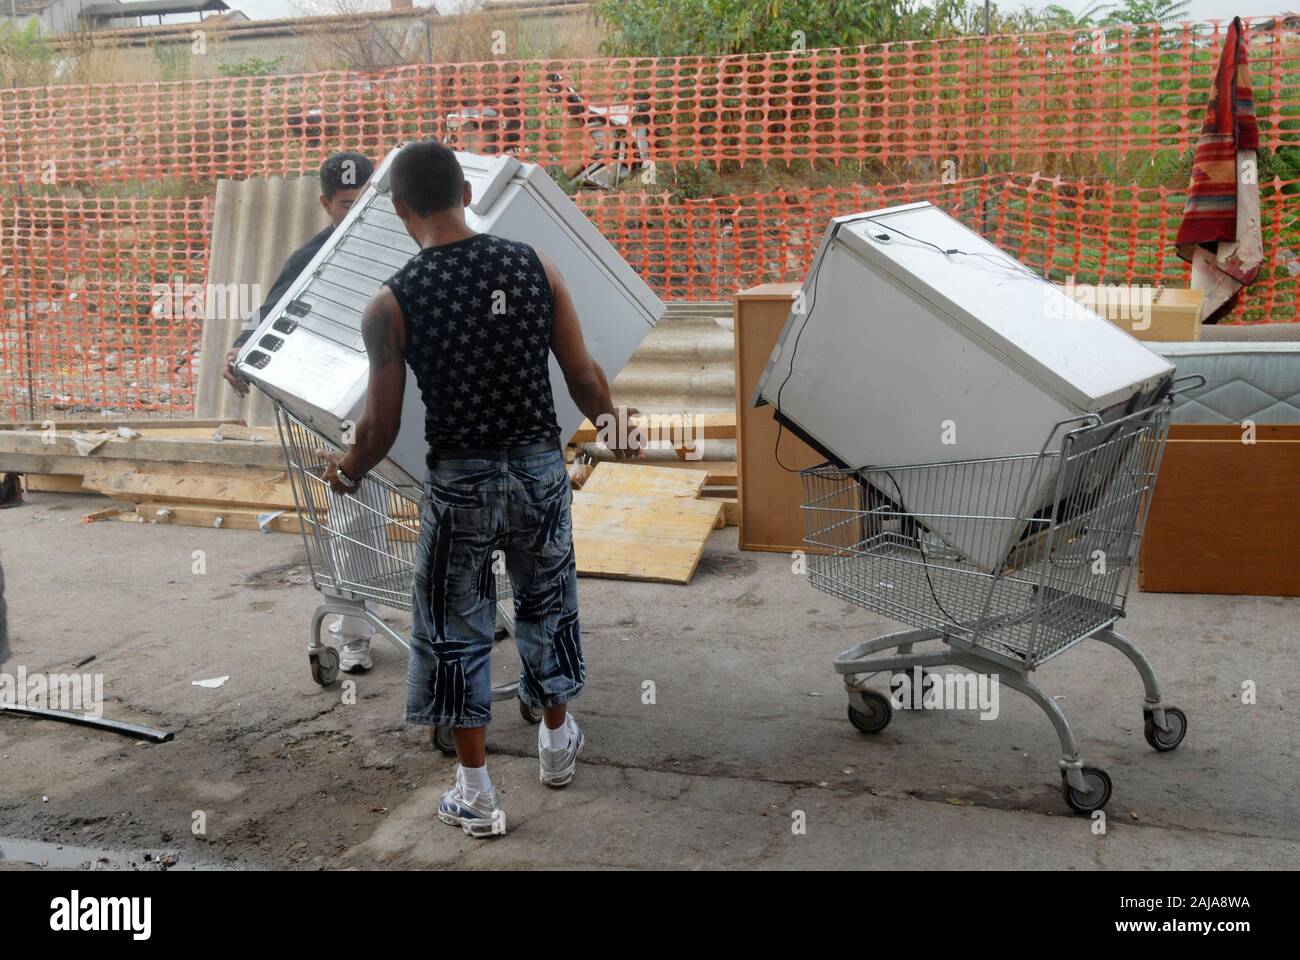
62, 856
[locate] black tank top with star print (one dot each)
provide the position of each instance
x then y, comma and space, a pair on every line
478, 318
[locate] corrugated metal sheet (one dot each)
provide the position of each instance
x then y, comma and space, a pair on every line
257, 224
686, 365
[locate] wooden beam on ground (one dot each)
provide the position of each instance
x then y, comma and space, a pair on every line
109, 423
192, 483
33, 451
217, 515
54, 483
730, 507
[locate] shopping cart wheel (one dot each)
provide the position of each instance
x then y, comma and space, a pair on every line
528, 713
324, 665
877, 715
441, 738
1097, 795
1166, 740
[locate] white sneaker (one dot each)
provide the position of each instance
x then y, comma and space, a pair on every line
478, 814
559, 766
354, 656
354, 652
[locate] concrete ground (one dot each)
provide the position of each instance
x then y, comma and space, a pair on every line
747, 730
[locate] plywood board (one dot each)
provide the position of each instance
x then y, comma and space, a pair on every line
640, 479
641, 538
718, 473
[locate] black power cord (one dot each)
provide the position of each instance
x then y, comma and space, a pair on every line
999, 259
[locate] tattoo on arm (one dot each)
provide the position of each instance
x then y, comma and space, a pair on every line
380, 333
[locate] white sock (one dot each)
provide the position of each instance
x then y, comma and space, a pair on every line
557, 739
476, 779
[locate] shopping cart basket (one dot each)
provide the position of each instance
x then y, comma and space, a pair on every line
361, 547
913, 543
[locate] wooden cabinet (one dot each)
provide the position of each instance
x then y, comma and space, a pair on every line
1225, 516
770, 496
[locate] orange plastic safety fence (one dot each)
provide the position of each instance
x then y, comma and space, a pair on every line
86, 326
1044, 99
81, 281
1097, 232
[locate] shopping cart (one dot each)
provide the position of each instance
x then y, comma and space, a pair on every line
998, 564
361, 547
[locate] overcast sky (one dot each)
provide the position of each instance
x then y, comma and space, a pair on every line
271, 9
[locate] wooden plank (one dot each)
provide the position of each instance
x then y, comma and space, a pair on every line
218, 515
658, 539
1223, 516
54, 483
192, 483
108, 513
639, 479
730, 507
32, 451
108, 423
217, 434
673, 427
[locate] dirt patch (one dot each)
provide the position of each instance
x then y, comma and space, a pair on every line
726, 565
293, 574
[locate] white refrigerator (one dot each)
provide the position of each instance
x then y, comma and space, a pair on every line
915, 341
308, 352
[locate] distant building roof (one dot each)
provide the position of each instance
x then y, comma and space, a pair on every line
26, 7
150, 8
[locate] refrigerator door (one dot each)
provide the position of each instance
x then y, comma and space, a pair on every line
308, 352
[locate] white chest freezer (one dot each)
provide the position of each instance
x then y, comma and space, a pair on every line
906, 352
308, 352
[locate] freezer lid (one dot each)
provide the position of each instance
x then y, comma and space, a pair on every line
1062, 346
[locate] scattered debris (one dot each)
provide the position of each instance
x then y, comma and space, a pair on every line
88, 443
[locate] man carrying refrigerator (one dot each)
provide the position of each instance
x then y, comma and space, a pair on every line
477, 317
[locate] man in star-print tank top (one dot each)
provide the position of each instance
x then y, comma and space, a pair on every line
477, 317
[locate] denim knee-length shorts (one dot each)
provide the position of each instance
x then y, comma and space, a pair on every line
477, 513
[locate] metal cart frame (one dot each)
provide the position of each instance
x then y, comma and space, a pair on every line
361, 547
1065, 525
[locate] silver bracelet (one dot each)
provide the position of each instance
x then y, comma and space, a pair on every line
347, 481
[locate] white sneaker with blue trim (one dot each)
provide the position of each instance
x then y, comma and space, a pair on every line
478, 814
559, 766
